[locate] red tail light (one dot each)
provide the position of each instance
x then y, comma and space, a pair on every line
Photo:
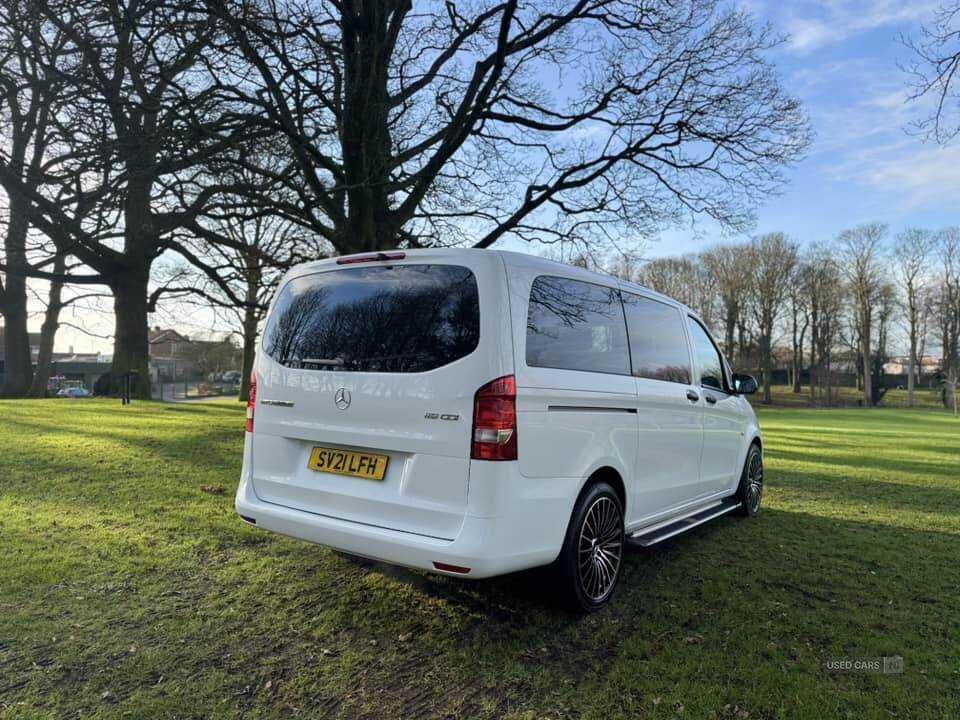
252, 402
495, 421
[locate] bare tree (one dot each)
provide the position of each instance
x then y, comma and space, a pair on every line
823, 287
29, 97
887, 306
799, 322
730, 268
860, 254
948, 307
912, 255
774, 258
137, 118
933, 72
438, 125
684, 279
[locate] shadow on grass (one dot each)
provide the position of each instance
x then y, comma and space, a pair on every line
942, 470
698, 603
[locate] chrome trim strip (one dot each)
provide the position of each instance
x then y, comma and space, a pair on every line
589, 408
278, 403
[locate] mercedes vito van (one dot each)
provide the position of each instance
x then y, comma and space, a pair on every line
477, 412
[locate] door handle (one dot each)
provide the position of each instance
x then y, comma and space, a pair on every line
710, 398
692, 396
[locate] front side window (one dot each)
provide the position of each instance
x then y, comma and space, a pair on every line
574, 325
658, 345
708, 357
383, 318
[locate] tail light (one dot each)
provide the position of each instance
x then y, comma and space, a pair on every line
252, 402
495, 421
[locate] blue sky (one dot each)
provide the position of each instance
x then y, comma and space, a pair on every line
841, 59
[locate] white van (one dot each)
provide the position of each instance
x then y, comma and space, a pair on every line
477, 412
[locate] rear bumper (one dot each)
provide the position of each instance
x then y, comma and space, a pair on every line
487, 545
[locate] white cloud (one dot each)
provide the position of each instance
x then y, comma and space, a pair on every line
922, 177
815, 25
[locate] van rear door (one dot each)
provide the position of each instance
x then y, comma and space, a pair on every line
366, 379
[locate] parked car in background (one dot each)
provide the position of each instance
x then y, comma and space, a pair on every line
477, 412
75, 392
231, 376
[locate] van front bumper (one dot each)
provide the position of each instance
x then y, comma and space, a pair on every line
488, 546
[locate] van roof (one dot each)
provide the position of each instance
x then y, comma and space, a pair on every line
515, 259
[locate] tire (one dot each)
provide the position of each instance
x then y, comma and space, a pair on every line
591, 560
750, 490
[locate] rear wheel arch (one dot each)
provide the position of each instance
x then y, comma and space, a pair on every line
605, 474
613, 478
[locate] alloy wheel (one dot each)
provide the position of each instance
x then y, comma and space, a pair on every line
600, 548
755, 483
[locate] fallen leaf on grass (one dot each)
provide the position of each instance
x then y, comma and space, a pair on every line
213, 489
403, 637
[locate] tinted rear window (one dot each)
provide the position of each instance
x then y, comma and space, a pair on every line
401, 319
575, 325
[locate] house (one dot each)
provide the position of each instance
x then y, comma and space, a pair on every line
174, 356
899, 365
166, 342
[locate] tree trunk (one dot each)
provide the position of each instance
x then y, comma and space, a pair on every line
865, 357
18, 363
765, 369
911, 373
131, 349
51, 322
251, 319
365, 128
730, 326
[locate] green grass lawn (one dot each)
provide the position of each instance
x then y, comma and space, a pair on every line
923, 398
128, 588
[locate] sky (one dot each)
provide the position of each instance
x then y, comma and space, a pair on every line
842, 59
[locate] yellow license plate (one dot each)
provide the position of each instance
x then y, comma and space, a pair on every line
345, 462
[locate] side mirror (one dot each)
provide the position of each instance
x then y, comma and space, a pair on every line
744, 384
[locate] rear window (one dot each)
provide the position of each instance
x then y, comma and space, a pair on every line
573, 325
399, 319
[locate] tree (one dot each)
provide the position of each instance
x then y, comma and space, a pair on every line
684, 279
730, 268
886, 313
774, 257
860, 249
29, 97
438, 126
799, 322
823, 287
912, 255
137, 121
933, 72
948, 250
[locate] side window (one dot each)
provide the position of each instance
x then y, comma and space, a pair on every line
708, 357
658, 346
573, 325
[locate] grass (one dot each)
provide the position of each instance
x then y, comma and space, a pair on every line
924, 397
129, 589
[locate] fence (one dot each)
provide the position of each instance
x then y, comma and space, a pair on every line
195, 390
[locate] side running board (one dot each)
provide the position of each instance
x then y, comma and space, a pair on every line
646, 538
